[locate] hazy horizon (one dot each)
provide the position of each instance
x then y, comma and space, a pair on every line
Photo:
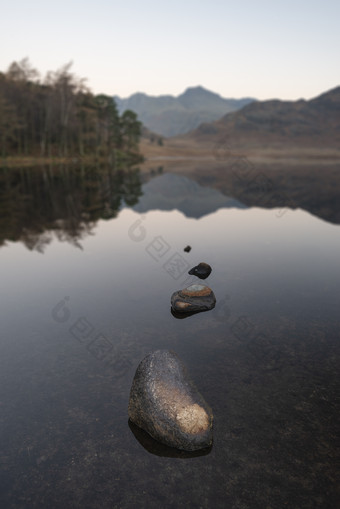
286, 51
223, 96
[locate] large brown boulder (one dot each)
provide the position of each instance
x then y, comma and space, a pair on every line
165, 403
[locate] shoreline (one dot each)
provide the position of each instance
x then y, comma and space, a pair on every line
28, 161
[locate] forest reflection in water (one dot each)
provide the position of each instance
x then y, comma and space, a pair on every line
66, 200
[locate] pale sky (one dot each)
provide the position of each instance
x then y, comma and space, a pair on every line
286, 49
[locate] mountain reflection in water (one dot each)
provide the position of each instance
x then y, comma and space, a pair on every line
40, 203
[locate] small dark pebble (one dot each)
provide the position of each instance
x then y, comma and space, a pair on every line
187, 249
202, 270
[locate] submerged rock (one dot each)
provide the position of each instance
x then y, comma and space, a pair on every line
157, 448
166, 404
193, 299
202, 270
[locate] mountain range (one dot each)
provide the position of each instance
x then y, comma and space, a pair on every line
313, 121
269, 153
170, 116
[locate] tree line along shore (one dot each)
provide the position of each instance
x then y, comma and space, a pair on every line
58, 118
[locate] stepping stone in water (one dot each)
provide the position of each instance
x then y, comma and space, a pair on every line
202, 270
195, 298
166, 404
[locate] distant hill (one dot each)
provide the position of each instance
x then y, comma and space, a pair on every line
313, 121
170, 116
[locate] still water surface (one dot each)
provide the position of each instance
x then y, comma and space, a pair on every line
83, 302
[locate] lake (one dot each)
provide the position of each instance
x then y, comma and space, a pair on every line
89, 260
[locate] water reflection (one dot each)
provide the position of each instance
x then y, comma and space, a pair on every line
65, 202
68, 201
181, 316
